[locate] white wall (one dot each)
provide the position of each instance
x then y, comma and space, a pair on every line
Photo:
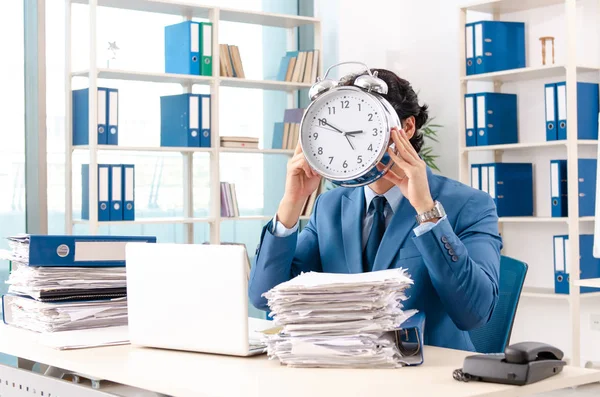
416, 40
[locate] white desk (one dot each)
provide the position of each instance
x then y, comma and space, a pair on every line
192, 374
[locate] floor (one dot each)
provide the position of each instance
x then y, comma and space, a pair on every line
581, 391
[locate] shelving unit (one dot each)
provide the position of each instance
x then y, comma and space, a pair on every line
187, 11
569, 72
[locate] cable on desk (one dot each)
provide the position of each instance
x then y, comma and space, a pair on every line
460, 376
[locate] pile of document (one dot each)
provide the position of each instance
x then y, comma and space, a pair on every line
339, 320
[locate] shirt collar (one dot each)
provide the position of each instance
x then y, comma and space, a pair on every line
393, 197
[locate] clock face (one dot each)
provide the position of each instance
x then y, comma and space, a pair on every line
343, 133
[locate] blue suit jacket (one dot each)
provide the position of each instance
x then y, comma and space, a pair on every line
455, 266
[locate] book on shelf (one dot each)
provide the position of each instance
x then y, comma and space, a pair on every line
287, 134
239, 142
230, 61
299, 66
229, 204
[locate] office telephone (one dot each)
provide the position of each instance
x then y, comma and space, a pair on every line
520, 364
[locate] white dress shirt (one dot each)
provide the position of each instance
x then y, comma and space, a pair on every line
393, 198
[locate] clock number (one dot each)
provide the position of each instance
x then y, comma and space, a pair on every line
370, 147
316, 135
370, 116
331, 109
359, 107
322, 122
330, 160
320, 151
359, 159
345, 165
345, 104
374, 131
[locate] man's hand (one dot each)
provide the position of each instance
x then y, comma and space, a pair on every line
301, 182
409, 173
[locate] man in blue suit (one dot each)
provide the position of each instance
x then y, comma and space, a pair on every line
443, 232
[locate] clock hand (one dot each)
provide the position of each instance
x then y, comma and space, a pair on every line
348, 139
352, 133
335, 128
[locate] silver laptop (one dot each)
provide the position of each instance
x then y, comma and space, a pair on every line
191, 297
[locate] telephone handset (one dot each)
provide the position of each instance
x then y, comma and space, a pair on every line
520, 364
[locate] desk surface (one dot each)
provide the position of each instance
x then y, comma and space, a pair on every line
193, 374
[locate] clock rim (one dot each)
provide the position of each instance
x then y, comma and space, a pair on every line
380, 101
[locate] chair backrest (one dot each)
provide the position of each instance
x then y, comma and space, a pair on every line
494, 336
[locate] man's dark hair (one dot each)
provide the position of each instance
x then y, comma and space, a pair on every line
403, 99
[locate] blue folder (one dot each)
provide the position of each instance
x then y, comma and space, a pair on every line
104, 192
277, 142
128, 192
470, 48
587, 110
471, 119
496, 117
410, 340
586, 172
589, 266
80, 251
205, 105
182, 48
112, 137
116, 192
550, 112
499, 46
180, 120
81, 116
511, 187
558, 188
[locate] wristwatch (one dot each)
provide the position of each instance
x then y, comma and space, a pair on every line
436, 212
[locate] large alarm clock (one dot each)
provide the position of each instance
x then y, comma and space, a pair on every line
345, 131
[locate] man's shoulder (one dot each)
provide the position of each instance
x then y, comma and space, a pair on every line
334, 197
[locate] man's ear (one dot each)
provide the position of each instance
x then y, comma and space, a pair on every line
409, 126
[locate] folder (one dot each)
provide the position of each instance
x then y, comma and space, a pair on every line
410, 341
205, 48
484, 178
496, 118
182, 48
103, 192
550, 97
586, 183
205, 121
80, 251
511, 187
499, 46
469, 41
558, 188
116, 192
587, 110
471, 119
128, 192
81, 116
475, 176
180, 120
589, 267
113, 117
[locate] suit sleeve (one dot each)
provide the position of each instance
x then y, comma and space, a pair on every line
464, 265
279, 259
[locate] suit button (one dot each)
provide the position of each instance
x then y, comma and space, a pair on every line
455, 258
444, 239
448, 246
451, 252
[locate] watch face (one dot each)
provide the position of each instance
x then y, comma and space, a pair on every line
344, 133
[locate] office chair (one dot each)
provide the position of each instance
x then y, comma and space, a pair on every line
494, 336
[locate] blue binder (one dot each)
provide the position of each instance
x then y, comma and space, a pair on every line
128, 192
586, 177
81, 251
81, 116
550, 111
496, 117
587, 110
409, 338
589, 266
116, 192
511, 187
113, 117
277, 142
205, 120
471, 119
182, 48
180, 120
499, 46
470, 48
103, 192
476, 176
558, 188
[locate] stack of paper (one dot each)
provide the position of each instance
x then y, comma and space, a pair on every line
339, 320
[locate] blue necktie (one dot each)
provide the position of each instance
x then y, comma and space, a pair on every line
376, 233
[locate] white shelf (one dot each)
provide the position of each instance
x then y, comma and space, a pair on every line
287, 152
147, 148
140, 221
189, 8
540, 219
548, 293
590, 282
529, 73
255, 218
508, 6
527, 145
150, 77
262, 84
